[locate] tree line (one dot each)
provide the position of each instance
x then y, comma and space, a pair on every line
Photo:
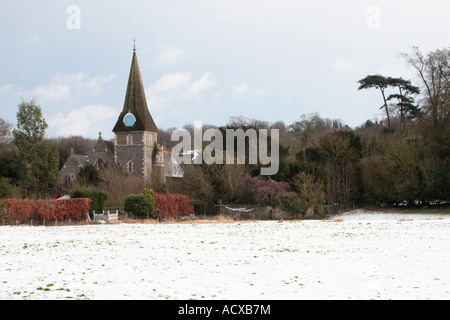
324, 164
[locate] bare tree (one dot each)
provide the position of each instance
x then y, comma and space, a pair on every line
5, 133
81, 145
342, 150
433, 71
309, 128
118, 185
232, 181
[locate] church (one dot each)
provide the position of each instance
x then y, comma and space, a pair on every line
136, 148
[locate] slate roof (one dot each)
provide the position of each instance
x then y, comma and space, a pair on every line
171, 166
75, 162
100, 151
136, 103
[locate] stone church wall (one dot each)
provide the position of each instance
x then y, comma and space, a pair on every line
137, 150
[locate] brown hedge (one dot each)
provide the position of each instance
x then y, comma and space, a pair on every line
48, 210
172, 205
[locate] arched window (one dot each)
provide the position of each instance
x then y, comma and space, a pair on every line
150, 139
100, 163
129, 139
130, 167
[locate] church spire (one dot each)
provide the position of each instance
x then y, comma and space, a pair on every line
135, 105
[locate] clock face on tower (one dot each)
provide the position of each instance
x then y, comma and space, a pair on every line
129, 119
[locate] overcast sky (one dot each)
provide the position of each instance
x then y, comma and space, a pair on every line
207, 60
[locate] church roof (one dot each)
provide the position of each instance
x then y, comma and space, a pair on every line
172, 167
135, 103
75, 162
100, 151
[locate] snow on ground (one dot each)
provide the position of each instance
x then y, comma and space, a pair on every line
366, 258
361, 214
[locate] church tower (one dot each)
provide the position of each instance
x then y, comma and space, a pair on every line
135, 131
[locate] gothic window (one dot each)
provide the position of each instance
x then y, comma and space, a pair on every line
129, 139
100, 163
150, 139
130, 167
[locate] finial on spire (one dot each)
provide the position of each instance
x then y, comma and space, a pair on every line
134, 41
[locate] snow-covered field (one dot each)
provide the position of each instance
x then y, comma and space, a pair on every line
355, 257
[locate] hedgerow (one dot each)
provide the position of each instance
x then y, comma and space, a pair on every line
48, 210
172, 205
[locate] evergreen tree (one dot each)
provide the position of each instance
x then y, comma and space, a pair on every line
408, 110
379, 82
38, 159
89, 175
46, 169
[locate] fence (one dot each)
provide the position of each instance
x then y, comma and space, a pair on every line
106, 216
259, 212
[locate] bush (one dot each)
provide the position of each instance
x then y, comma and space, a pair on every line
294, 205
311, 189
149, 194
97, 196
49, 210
3, 212
90, 174
197, 185
6, 188
140, 206
265, 191
172, 205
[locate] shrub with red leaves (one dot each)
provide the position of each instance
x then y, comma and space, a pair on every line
48, 210
172, 205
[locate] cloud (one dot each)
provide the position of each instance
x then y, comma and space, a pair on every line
85, 121
246, 89
177, 86
344, 64
32, 39
171, 55
6, 89
171, 81
65, 85
205, 82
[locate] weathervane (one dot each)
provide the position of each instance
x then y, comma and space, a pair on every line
134, 41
